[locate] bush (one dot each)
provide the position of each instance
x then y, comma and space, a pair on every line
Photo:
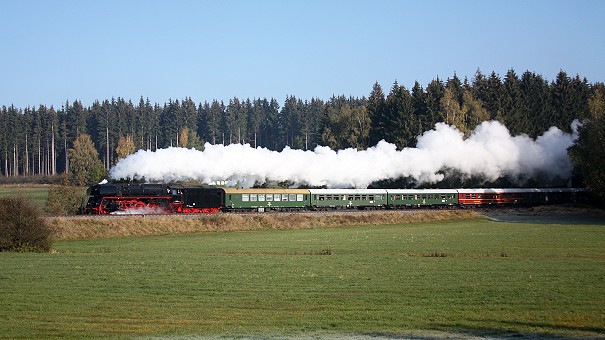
64, 200
22, 227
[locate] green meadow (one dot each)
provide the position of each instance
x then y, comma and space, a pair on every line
36, 193
465, 277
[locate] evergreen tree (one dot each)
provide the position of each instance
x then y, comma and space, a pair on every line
4, 141
434, 93
171, 122
377, 112
77, 120
214, 114
347, 127
189, 113
289, 122
562, 104
235, 119
316, 110
421, 112
511, 105
488, 91
400, 119
147, 124
273, 124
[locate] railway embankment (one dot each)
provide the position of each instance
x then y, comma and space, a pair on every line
66, 228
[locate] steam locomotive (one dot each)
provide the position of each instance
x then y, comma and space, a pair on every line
174, 198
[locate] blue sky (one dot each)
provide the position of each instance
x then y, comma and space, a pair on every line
53, 51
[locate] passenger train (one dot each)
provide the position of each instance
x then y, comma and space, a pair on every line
173, 198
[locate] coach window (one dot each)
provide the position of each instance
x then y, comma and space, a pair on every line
245, 197
261, 197
371, 197
253, 197
299, 198
292, 197
276, 197
269, 197
284, 197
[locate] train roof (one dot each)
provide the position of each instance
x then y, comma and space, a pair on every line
347, 191
516, 190
421, 191
265, 191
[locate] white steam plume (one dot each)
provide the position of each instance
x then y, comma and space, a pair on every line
490, 151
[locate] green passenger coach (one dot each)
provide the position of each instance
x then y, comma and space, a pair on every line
261, 200
323, 199
401, 198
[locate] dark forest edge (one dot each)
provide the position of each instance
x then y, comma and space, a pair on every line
43, 142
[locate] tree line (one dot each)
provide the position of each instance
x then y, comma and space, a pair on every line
36, 141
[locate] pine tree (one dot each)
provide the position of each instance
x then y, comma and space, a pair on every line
347, 126
511, 105
400, 118
377, 112
421, 112
534, 99
488, 91
434, 93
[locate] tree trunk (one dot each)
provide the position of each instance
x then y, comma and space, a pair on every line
53, 167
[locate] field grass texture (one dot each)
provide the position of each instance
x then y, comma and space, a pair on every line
469, 277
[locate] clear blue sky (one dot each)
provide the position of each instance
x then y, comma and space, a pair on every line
53, 51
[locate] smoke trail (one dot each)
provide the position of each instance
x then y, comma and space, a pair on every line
490, 151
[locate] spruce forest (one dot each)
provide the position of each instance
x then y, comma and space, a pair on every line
36, 141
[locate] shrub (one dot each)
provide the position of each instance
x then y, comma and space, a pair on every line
64, 200
22, 227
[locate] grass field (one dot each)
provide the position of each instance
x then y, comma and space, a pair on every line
37, 193
469, 277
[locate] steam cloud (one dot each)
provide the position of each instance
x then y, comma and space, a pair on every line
490, 151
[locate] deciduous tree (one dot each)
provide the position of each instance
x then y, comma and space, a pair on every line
85, 166
125, 147
588, 153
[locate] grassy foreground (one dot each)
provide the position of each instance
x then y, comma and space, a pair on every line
37, 193
469, 276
